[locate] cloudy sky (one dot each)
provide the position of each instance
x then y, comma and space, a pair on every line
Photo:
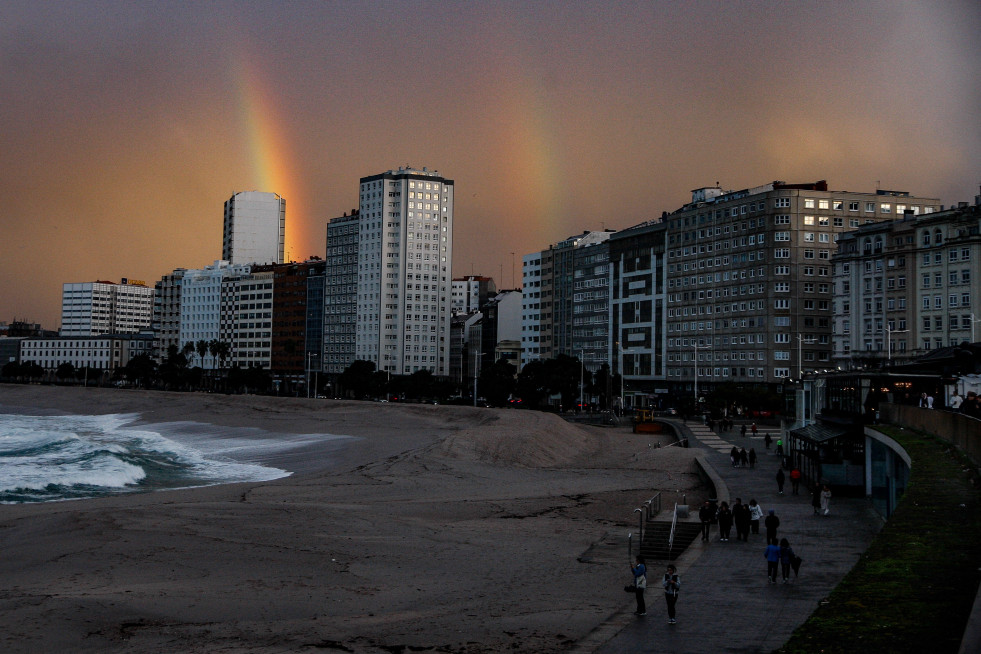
124, 126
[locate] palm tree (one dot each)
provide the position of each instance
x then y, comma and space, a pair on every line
213, 349
202, 348
188, 350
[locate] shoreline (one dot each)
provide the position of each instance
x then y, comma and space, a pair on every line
458, 531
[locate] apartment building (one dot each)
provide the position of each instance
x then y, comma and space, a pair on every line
93, 308
405, 255
908, 286
749, 279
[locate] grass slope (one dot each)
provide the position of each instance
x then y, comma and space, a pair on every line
913, 589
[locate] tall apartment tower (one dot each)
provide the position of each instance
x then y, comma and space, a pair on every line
255, 228
405, 252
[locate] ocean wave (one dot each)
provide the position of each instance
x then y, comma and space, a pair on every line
45, 458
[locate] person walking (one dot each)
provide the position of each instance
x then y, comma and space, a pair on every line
780, 480
779, 447
741, 518
786, 559
705, 515
743, 457
724, 516
755, 514
772, 555
752, 457
816, 499
754, 429
825, 500
742, 430
795, 480
767, 440
771, 523
671, 583
640, 584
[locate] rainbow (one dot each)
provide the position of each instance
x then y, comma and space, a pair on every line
269, 149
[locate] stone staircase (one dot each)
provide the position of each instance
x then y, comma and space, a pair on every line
656, 533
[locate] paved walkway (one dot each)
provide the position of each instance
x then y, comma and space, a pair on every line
726, 603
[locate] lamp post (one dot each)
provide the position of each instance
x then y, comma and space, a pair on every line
800, 357
694, 344
582, 371
973, 320
889, 333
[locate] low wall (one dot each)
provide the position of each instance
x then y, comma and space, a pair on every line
960, 430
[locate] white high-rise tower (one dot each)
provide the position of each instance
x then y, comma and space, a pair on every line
255, 228
404, 271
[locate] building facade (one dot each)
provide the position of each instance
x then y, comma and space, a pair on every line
749, 283
566, 297
906, 287
204, 316
292, 355
405, 271
103, 352
166, 323
93, 308
468, 294
341, 292
254, 228
638, 320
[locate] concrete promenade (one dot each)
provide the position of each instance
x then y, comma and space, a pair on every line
726, 603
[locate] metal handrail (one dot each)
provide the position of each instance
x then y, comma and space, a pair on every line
674, 524
653, 506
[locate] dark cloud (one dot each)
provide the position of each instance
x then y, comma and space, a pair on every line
123, 129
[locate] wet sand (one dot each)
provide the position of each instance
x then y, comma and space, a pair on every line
443, 529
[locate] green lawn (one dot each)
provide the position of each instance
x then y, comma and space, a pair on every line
913, 589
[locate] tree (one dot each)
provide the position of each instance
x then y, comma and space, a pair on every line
201, 348
65, 371
140, 369
213, 348
357, 378
31, 370
497, 382
530, 385
11, 370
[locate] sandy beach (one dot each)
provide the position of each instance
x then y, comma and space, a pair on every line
442, 529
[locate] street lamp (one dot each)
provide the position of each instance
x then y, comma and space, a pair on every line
889, 333
800, 357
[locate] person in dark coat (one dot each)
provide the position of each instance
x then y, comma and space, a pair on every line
734, 456
752, 457
724, 516
705, 515
780, 480
742, 430
740, 517
786, 558
767, 439
743, 457
771, 523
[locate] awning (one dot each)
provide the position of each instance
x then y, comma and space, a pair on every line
818, 433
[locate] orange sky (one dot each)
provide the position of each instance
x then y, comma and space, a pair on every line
125, 126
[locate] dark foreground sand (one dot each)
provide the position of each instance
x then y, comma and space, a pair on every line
442, 529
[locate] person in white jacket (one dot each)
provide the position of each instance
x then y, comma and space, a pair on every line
755, 514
